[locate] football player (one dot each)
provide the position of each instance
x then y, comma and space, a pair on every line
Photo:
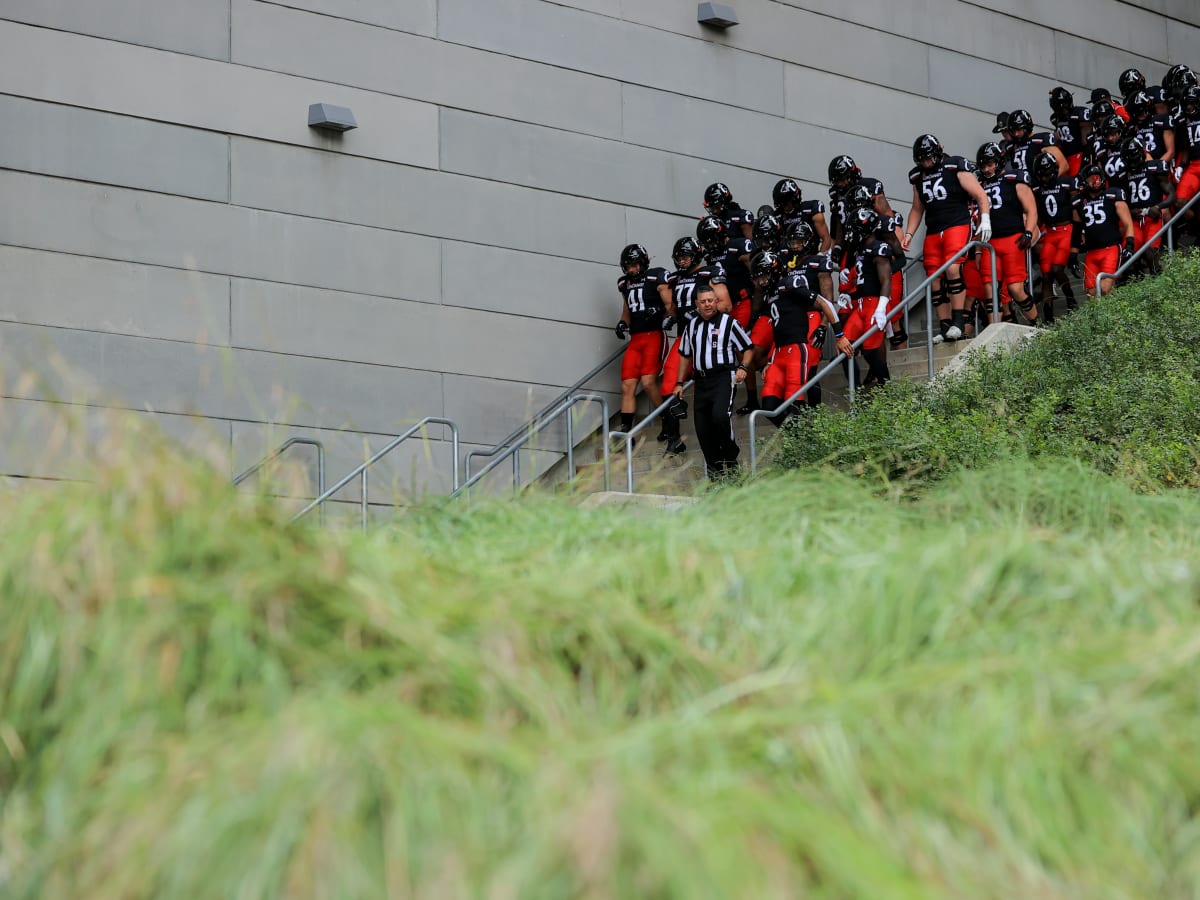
1106, 227
641, 322
1072, 125
1157, 133
1150, 194
790, 207
1026, 145
1014, 223
943, 190
1056, 216
719, 202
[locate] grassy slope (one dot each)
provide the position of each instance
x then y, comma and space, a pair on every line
986, 692
1116, 384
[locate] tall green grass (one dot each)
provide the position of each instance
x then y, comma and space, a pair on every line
795, 688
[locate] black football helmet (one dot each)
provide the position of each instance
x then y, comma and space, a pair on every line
1102, 109
802, 238
710, 232
766, 231
1045, 169
717, 198
1131, 80
1111, 129
1140, 107
1020, 120
765, 268
1133, 154
765, 210
1092, 180
928, 147
634, 255
786, 195
843, 172
1189, 100
1001, 125
861, 224
1178, 79
685, 248
859, 197
989, 153
1062, 101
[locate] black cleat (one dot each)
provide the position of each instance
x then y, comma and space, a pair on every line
746, 410
676, 446
663, 436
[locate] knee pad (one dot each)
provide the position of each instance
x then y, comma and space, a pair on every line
956, 285
940, 297
1026, 305
899, 336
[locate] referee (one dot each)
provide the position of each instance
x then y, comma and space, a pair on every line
716, 351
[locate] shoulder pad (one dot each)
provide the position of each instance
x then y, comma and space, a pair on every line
1115, 194
622, 282
914, 175
656, 275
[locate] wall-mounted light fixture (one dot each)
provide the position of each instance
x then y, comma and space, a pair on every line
328, 117
716, 15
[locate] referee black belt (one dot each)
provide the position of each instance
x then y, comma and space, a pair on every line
713, 372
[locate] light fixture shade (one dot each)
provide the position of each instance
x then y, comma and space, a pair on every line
328, 117
716, 15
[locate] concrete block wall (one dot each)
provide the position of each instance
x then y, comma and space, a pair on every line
177, 243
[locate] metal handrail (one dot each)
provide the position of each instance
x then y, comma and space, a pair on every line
535, 428
926, 287
549, 407
279, 451
1168, 229
361, 471
641, 426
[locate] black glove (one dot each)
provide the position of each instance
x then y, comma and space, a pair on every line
1073, 265
668, 323
1127, 250
1025, 241
817, 339
622, 329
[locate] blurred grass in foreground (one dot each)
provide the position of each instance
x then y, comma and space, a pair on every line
990, 691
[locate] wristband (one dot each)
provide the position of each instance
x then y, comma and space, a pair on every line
742, 366
839, 335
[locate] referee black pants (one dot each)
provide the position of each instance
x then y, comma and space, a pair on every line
714, 427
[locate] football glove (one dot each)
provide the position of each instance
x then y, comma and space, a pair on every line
1025, 241
984, 232
622, 329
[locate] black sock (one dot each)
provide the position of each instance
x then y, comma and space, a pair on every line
945, 324
627, 422
752, 396
960, 318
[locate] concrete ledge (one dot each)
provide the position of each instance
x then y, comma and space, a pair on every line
1005, 337
644, 501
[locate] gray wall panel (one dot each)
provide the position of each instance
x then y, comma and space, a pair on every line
43, 288
1102, 21
92, 146
586, 42
415, 16
987, 86
395, 197
88, 72
199, 27
1090, 65
53, 440
528, 284
451, 75
164, 376
1184, 10
113, 223
1183, 42
518, 153
303, 321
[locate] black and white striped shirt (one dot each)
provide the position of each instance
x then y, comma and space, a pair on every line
715, 345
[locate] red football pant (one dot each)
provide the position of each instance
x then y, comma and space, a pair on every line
671, 367
861, 321
1098, 262
1056, 246
1189, 183
787, 371
1144, 230
741, 308
1074, 164
943, 245
1010, 260
643, 356
762, 335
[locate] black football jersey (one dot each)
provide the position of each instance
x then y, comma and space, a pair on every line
1008, 216
788, 307
1068, 129
869, 284
737, 275
1101, 225
837, 201
1153, 135
1054, 202
1023, 155
812, 268
735, 217
646, 310
1109, 159
947, 204
684, 283
1187, 137
1144, 188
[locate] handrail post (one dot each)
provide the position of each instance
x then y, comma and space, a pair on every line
929, 325
995, 285
629, 463
455, 450
751, 426
605, 431
363, 490
570, 445
517, 471
852, 376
